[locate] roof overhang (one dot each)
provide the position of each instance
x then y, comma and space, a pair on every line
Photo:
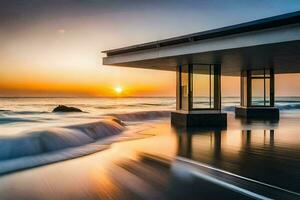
267, 43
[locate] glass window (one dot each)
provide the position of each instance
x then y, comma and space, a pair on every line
257, 90
202, 87
260, 89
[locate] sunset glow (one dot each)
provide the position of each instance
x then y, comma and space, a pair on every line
139, 99
118, 89
57, 53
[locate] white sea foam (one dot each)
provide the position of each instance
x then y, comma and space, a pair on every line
57, 138
31, 135
43, 146
142, 115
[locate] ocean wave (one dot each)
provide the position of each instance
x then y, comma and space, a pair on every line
41, 147
141, 115
1, 110
135, 105
229, 108
7, 120
149, 104
58, 138
54, 139
293, 106
30, 112
283, 107
11, 112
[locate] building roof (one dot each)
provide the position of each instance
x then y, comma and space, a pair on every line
266, 23
272, 42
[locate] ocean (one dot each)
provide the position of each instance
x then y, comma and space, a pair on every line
119, 139
32, 135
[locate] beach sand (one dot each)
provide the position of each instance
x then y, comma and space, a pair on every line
154, 167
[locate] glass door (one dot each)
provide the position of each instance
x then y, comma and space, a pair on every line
202, 87
260, 88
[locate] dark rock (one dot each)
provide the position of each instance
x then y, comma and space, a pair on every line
62, 108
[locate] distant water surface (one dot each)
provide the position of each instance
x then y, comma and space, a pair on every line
19, 114
28, 127
31, 135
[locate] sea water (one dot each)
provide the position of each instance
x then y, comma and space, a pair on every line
31, 134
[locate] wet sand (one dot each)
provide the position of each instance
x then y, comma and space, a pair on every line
99, 175
154, 167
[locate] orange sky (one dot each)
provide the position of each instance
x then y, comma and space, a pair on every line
49, 49
44, 61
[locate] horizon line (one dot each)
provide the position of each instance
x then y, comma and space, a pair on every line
116, 96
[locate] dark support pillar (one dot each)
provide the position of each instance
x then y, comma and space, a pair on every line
272, 87
217, 87
178, 95
190, 67
249, 86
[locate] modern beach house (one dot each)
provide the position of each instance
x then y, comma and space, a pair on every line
255, 51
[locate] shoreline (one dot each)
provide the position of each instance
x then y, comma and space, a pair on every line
124, 161
28, 162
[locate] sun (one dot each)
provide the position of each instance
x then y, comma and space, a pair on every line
118, 89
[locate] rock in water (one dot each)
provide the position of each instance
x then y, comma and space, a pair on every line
63, 108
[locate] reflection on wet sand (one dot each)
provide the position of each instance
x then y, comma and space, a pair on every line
175, 164
250, 153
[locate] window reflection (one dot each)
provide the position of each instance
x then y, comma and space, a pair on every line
203, 86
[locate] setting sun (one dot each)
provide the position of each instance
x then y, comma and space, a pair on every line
118, 89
